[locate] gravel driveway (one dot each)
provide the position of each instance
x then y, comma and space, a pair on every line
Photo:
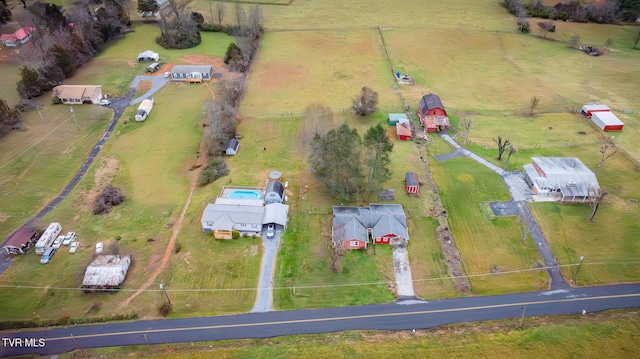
404, 280
157, 82
264, 298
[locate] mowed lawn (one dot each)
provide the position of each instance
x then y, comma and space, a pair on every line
36, 164
485, 243
294, 69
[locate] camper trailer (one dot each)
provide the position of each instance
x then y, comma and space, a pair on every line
144, 109
49, 235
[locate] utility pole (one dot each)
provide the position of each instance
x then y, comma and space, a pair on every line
77, 346
74, 117
575, 275
165, 293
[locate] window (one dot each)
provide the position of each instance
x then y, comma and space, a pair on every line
209, 223
354, 244
243, 225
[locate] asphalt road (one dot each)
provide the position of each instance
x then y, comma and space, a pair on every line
403, 315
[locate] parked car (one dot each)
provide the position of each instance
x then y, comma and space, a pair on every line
99, 247
48, 254
167, 74
271, 230
105, 102
70, 237
74, 247
58, 242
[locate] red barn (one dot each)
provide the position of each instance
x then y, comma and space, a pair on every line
403, 129
589, 109
432, 114
412, 183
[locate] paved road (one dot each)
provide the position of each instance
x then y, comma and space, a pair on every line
264, 298
402, 315
119, 105
520, 195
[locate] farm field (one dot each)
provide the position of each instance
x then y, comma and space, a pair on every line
324, 53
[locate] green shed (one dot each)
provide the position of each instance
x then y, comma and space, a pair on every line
395, 117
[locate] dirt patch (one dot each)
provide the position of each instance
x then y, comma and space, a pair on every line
103, 176
153, 262
251, 251
3, 217
7, 55
283, 75
144, 86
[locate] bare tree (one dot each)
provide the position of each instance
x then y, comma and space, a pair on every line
227, 92
254, 21
466, 124
534, 103
337, 252
636, 39
510, 151
220, 12
607, 149
524, 228
220, 123
241, 16
502, 146
365, 103
546, 27
317, 116
608, 43
574, 41
596, 196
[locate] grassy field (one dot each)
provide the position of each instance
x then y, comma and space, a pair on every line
607, 334
486, 243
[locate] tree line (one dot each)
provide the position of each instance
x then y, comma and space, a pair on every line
576, 10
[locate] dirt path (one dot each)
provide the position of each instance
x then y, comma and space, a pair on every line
174, 236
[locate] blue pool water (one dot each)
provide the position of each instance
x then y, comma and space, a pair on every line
244, 194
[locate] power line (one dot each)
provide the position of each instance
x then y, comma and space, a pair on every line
318, 286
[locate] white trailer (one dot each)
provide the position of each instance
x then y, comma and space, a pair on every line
144, 109
49, 235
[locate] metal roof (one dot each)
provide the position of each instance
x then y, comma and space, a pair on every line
607, 118
233, 144
275, 186
107, 270
277, 213
568, 174
238, 213
428, 102
411, 179
149, 54
191, 68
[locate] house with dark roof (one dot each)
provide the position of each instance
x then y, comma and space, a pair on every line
21, 36
23, 239
191, 73
354, 227
562, 179
432, 113
232, 147
274, 192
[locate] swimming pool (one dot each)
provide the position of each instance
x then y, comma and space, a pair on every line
244, 194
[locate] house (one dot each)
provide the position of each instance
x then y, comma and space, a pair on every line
412, 183
274, 192
589, 109
21, 36
432, 113
232, 147
395, 117
106, 272
191, 73
153, 67
563, 179
222, 219
78, 94
148, 56
607, 121
354, 227
23, 239
403, 129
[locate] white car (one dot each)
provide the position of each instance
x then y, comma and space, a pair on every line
58, 242
167, 74
105, 102
74, 247
271, 230
99, 247
70, 237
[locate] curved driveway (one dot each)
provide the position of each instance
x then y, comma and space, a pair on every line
402, 315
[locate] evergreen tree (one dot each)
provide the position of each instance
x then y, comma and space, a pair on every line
377, 148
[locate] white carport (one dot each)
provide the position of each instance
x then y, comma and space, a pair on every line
276, 213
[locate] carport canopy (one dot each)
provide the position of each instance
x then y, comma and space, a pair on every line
276, 213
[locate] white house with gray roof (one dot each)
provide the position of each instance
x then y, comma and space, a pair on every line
353, 227
191, 73
563, 179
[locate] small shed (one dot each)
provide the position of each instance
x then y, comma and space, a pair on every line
153, 67
23, 239
232, 147
589, 109
403, 129
607, 121
274, 192
148, 56
106, 272
395, 117
412, 183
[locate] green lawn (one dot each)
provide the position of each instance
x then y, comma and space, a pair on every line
485, 243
